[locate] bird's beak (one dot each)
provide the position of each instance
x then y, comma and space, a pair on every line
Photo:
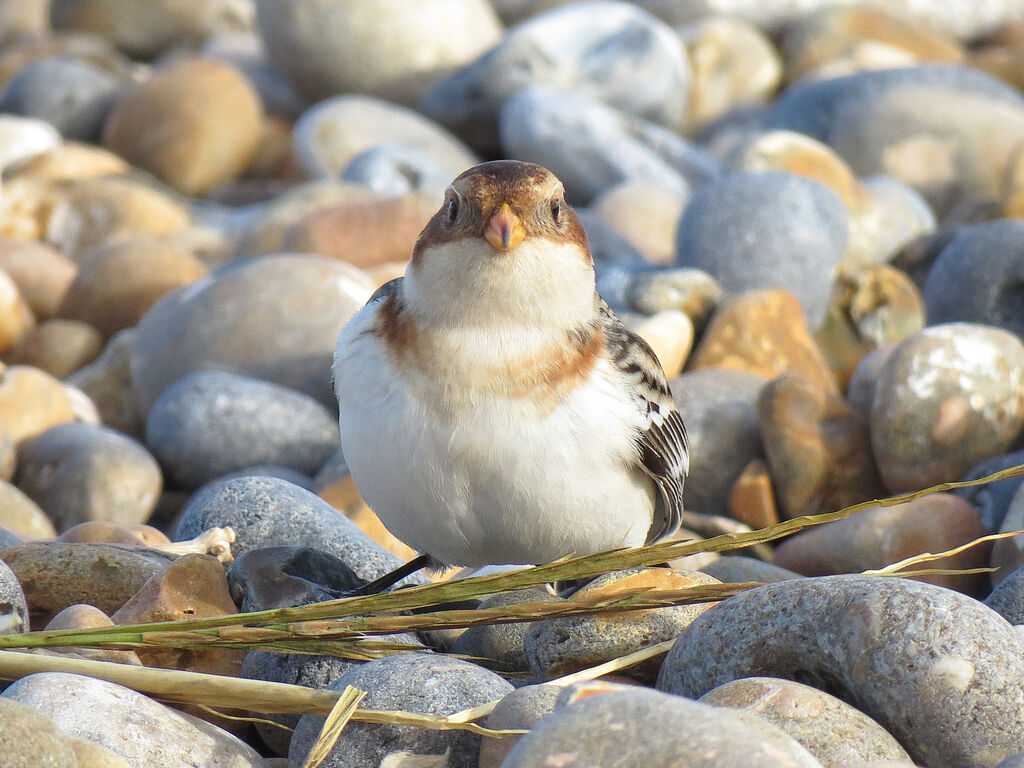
504, 230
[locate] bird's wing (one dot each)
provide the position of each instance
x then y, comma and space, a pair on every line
385, 290
661, 441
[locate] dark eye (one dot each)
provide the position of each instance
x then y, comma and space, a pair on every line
556, 210
452, 211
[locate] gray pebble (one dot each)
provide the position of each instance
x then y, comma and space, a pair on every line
520, 710
1007, 599
396, 169
281, 577
502, 643
210, 423
766, 230
413, 682
31, 740
268, 512
941, 672
8, 539
13, 607
738, 568
992, 500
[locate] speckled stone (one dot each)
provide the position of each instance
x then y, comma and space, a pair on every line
78, 472
818, 448
976, 277
520, 709
737, 568
59, 347
31, 740
992, 500
31, 401
763, 332
592, 147
501, 642
942, 673
129, 723
719, 408
108, 383
880, 536
617, 725
946, 398
275, 318
1007, 599
20, 515
766, 230
831, 730
412, 682
267, 512
331, 134
612, 51
394, 51
210, 423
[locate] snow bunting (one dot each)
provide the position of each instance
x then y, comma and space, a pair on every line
493, 409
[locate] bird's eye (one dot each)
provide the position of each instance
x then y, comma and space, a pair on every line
556, 210
452, 210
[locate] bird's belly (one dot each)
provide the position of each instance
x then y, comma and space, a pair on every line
496, 483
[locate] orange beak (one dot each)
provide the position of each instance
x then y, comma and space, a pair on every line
504, 230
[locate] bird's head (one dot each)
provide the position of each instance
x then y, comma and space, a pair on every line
504, 245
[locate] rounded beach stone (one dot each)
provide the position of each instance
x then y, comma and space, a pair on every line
879, 536
1008, 554
268, 512
8, 538
275, 318
70, 160
689, 290
84, 616
977, 278
396, 169
20, 515
210, 423
719, 408
108, 383
670, 334
818, 448
645, 214
133, 725
611, 51
831, 730
282, 577
16, 319
591, 146
59, 347
393, 51
938, 670
891, 122
412, 682
638, 726
117, 283
42, 273
896, 215
58, 574
331, 134
31, 739
101, 531
560, 646
13, 607
946, 398
92, 755
992, 500
1007, 599
31, 401
21, 19
793, 235
520, 709
24, 137
502, 643
73, 95
79, 472
194, 124
737, 568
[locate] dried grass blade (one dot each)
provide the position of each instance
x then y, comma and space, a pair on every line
335, 722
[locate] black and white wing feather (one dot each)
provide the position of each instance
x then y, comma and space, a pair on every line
662, 439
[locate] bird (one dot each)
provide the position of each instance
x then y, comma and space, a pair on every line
493, 409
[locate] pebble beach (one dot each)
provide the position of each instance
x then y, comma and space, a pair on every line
812, 211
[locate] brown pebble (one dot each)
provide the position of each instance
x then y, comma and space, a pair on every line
105, 532
42, 274
752, 500
32, 401
59, 347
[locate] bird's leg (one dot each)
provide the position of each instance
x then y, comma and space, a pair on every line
391, 578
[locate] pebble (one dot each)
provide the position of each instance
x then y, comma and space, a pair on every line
691, 291
670, 334
738, 568
268, 512
719, 408
118, 282
891, 122
24, 137
32, 739
68, 161
83, 616
8, 538
412, 682
734, 66
130, 724
281, 577
108, 383
13, 606
59, 347
392, 52
1008, 554
561, 646
520, 709
895, 216
194, 124
364, 234
31, 401
831, 730
945, 399
275, 318
23, 19
396, 169
16, 318
501, 643
818, 448
592, 147
763, 332
752, 499
645, 214
331, 134
57, 574
72, 95
209, 423
22, 516
41, 273
975, 278
938, 670
637, 726
79, 472
992, 500
1007, 599
860, 391
880, 536
8, 452
766, 230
